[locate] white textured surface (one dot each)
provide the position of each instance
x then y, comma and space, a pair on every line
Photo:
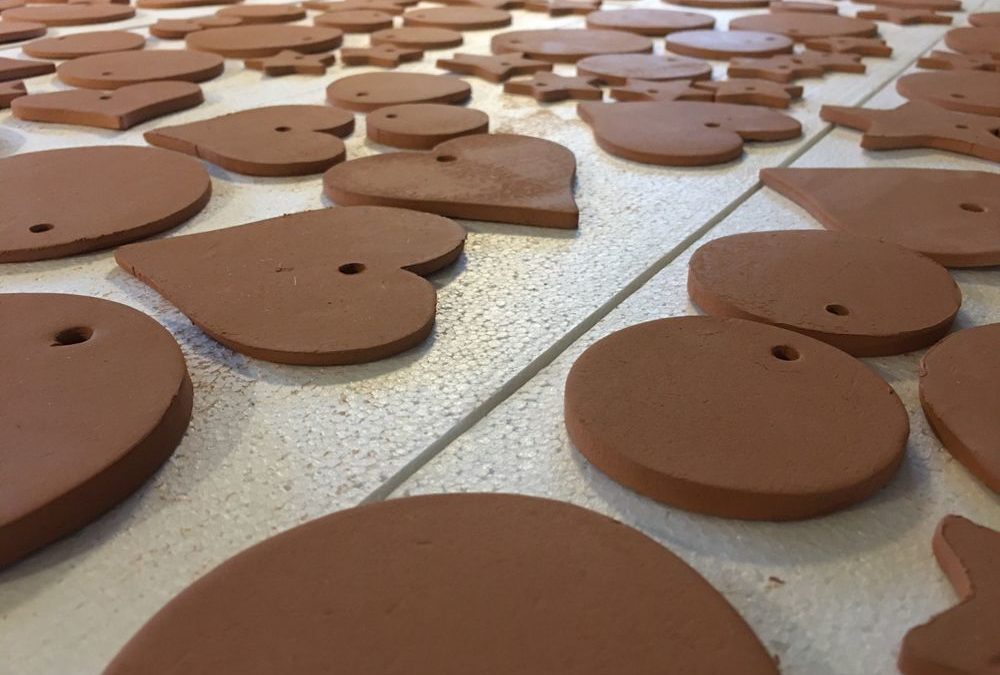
271, 446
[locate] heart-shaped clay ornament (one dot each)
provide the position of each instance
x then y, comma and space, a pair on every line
283, 140
96, 400
683, 133
371, 91
326, 287
119, 69
247, 42
498, 177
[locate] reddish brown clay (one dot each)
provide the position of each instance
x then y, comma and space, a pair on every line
985, 19
20, 69
289, 63
175, 4
418, 38
620, 68
250, 14
421, 126
386, 56
654, 22
327, 287
961, 639
937, 5
569, 46
718, 44
904, 17
549, 87
120, 69
70, 14
497, 177
451, 576
15, 31
972, 40
496, 68
76, 441
801, 26
245, 42
457, 18
721, 4
563, 7
376, 90
386, 6
178, 29
938, 60
851, 45
749, 91
788, 67
84, 44
963, 90
772, 425
10, 91
356, 21
797, 6
645, 90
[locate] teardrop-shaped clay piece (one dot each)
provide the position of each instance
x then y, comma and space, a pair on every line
246, 42
421, 126
371, 91
84, 44
120, 69
569, 46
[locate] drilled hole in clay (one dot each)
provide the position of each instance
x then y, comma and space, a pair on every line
282, 129
653, 91
785, 353
72, 336
541, 84
106, 97
974, 208
751, 89
446, 158
391, 116
958, 95
351, 268
712, 125
961, 126
41, 227
106, 72
361, 94
839, 310
297, 58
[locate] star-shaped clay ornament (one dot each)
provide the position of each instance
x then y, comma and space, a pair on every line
9, 91
850, 45
752, 92
788, 67
386, 56
289, 62
549, 87
904, 17
649, 90
494, 68
938, 60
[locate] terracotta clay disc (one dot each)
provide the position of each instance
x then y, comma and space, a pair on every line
720, 4
734, 418
619, 68
496, 177
371, 91
385, 56
655, 22
569, 46
418, 38
120, 69
972, 40
718, 44
866, 297
959, 387
78, 439
971, 91
20, 69
421, 126
95, 197
176, 4
15, 31
356, 21
84, 44
242, 42
457, 18
386, 6
801, 26
178, 29
75, 14
985, 19
643, 90
459, 572
326, 287
936, 5
282, 140
264, 13
796, 6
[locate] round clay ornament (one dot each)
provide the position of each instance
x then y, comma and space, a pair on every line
84, 44
458, 18
356, 21
971, 91
721, 4
718, 44
371, 91
569, 46
71, 14
242, 42
415, 37
15, 31
972, 40
120, 69
94, 197
620, 68
985, 19
264, 13
95, 402
421, 126
451, 584
868, 298
653, 22
804, 26
734, 418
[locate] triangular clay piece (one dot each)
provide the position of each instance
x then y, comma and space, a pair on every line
21, 69
946, 215
284, 140
683, 133
327, 287
496, 177
962, 639
10, 91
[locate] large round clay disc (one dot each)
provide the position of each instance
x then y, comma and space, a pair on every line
971, 40
619, 68
421, 126
721, 4
15, 31
457, 17
418, 38
84, 44
959, 390
264, 13
655, 22
734, 418
804, 26
176, 4
985, 19
569, 46
70, 14
63, 202
244, 42
356, 20
371, 91
866, 297
95, 401
451, 584
972, 91
119, 69
719, 44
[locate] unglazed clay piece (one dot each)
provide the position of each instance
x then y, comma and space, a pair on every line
120, 109
250, 14
972, 40
282, 140
563, 7
386, 56
421, 126
850, 45
77, 442
719, 44
84, 44
178, 29
904, 17
963, 90
549, 87
569, 46
801, 26
176, 4
20, 69
371, 91
496, 68
244, 42
498, 177
865, 297
751, 91
457, 18
418, 38
620, 68
985, 19
15, 31
120, 69
721, 4
948, 216
385, 6
458, 572
645, 90
95, 197
734, 418
918, 124
10, 91
289, 62
788, 67
356, 20
938, 60
655, 22
10, 4
683, 133
959, 387
73, 14
962, 639
938, 5
797, 6
327, 287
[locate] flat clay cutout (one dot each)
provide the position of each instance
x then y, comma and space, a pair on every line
457, 18
317, 596
963, 90
985, 19
282, 140
385, 6
851, 45
386, 56
496, 177
10, 91
938, 60
563, 7
800, 26
120, 109
938, 5
289, 63
772, 425
74, 14
247, 42
321, 288
918, 124
257, 14
719, 44
789, 67
376, 90
418, 38
422, 126
620, 68
865, 297
496, 68
75, 354
15, 31
904, 17
178, 29
683, 133
549, 87
20, 69
796, 6
721, 4
356, 21
120, 69
961, 639
84, 44
971, 40
569, 46
176, 4
645, 90
654, 22
95, 197
11, 4
948, 216
750, 91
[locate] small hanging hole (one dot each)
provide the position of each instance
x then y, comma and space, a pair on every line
106, 97
282, 129
838, 310
446, 158
391, 116
972, 208
72, 336
351, 268
41, 227
712, 125
785, 353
